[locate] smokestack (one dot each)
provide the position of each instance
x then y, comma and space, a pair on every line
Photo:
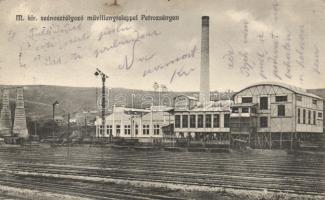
5, 119
205, 74
20, 126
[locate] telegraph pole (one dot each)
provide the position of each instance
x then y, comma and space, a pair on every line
69, 124
104, 77
53, 109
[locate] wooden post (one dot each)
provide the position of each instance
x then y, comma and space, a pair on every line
291, 141
281, 140
249, 140
270, 140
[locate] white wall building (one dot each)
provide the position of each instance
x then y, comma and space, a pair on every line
135, 123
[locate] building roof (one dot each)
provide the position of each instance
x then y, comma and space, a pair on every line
292, 88
222, 105
188, 97
243, 105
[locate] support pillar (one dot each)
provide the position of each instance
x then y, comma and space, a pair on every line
281, 140
291, 140
270, 144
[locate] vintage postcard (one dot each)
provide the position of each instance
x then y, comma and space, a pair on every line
162, 99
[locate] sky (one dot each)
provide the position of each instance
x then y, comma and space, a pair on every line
251, 41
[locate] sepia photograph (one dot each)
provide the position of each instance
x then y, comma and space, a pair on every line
162, 99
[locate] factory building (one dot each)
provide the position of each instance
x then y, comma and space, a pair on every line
145, 125
197, 122
201, 119
273, 115
265, 115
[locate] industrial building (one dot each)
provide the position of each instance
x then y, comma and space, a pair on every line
144, 125
197, 121
264, 115
202, 119
273, 115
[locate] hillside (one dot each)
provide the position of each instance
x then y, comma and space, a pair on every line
39, 98
320, 92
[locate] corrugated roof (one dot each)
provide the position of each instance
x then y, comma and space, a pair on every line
294, 89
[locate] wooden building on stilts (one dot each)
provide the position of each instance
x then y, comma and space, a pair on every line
273, 115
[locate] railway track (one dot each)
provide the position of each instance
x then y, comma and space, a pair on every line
276, 173
212, 180
81, 191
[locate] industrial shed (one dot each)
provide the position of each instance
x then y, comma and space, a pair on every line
274, 115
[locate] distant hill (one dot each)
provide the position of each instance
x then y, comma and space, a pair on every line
320, 92
39, 98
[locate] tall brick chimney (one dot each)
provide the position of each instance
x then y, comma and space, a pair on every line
205, 63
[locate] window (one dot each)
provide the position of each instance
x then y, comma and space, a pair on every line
314, 101
320, 115
314, 117
181, 134
145, 129
244, 110
156, 129
118, 130
304, 116
127, 130
192, 121
208, 121
136, 129
185, 121
234, 110
263, 122
177, 121
200, 121
281, 110
216, 121
299, 98
226, 120
309, 116
109, 129
264, 103
299, 121
247, 99
253, 109
281, 98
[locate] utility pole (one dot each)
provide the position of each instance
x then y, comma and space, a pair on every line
69, 124
103, 76
35, 124
54, 104
86, 128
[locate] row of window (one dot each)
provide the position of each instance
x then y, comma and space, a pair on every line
264, 100
263, 106
306, 116
197, 121
243, 110
127, 129
299, 98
